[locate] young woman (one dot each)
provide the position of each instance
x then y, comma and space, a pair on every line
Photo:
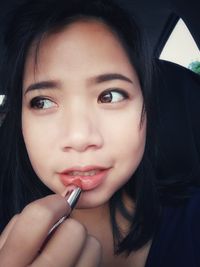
80, 113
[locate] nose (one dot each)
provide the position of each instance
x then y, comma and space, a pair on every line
81, 132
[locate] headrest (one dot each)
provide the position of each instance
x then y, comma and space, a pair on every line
178, 101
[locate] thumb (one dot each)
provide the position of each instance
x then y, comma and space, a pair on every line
7, 230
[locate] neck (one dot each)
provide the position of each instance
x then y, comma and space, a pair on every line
94, 219
97, 223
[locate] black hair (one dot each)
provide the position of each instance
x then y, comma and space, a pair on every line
19, 184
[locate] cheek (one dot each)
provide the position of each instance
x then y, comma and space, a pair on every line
130, 150
36, 142
125, 134
133, 142
125, 143
38, 133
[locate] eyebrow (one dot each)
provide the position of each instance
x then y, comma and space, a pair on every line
99, 79
111, 76
42, 85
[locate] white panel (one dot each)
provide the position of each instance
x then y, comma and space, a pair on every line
1, 99
181, 47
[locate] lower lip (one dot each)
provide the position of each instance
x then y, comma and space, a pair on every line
84, 182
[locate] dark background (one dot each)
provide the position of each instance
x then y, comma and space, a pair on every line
156, 17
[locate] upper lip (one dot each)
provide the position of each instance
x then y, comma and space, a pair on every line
83, 169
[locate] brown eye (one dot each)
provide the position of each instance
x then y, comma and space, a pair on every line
112, 96
106, 97
41, 103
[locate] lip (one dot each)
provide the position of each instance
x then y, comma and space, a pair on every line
84, 182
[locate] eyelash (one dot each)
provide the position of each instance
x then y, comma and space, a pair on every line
36, 102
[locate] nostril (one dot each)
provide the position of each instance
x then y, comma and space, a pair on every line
81, 134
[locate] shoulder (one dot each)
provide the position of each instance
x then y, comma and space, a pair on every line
188, 230
192, 205
192, 210
177, 240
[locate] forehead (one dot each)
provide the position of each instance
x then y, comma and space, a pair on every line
82, 47
90, 31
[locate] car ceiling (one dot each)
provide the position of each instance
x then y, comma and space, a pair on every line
156, 18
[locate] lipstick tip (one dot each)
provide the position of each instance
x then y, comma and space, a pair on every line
73, 197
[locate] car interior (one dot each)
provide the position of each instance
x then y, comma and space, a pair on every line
177, 88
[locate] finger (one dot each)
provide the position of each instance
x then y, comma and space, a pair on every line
7, 230
31, 229
91, 255
64, 247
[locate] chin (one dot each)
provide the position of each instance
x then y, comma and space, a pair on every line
89, 200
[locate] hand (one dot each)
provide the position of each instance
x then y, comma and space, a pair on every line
22, 241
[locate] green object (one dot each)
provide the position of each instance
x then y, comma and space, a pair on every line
195, 66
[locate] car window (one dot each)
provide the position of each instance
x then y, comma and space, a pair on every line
181, 48
1, 99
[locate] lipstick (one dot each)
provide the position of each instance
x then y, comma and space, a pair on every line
72, 198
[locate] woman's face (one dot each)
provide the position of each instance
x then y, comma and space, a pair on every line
81, 112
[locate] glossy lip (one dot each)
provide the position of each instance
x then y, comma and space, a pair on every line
84, 182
